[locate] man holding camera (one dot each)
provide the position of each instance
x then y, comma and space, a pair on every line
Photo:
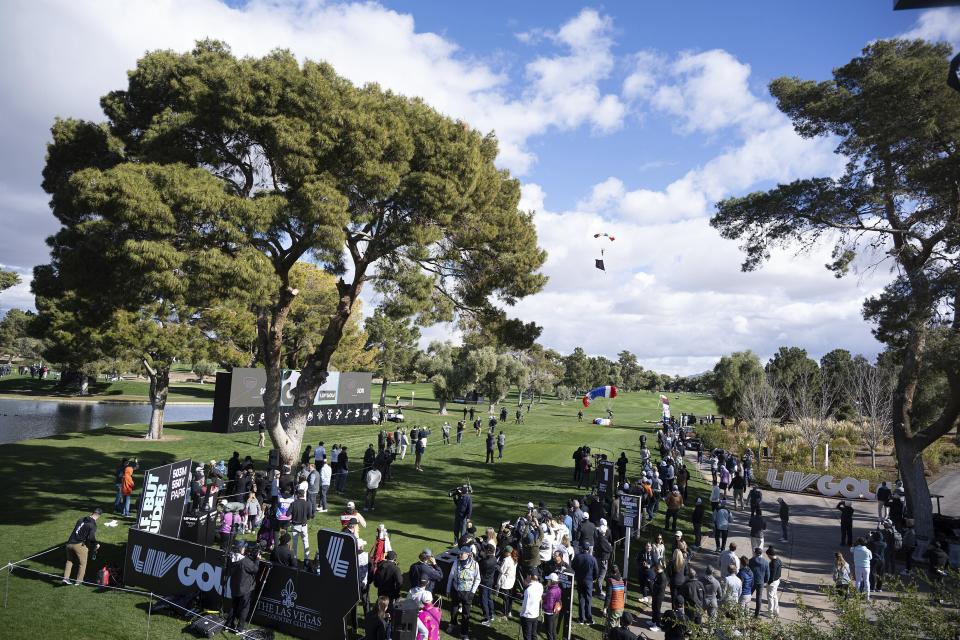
463, 511
83, 537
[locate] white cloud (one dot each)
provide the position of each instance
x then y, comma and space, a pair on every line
937, 25
709, 92
70, 54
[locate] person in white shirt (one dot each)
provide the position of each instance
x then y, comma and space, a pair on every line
731, 586
373, 483
320, 453
325, 476
404, 443
530, 609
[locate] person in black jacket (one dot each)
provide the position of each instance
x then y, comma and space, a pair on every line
585, 572
674, 621
243, 579
425, 572
488, 573
696, 519
846, 524
388, 579
81, 540
282, 554
784, 520
659, 593
376, 622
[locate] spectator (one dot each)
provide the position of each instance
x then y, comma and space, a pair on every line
552, 605
784, 520
862, 558
462, 584
530, 609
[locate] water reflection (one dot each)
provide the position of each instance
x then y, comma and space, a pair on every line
24, 419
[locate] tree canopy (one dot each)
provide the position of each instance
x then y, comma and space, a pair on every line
373, 187
898, 127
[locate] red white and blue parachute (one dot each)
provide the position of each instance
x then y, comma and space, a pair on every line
608, 391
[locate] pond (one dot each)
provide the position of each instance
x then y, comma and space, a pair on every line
24, 419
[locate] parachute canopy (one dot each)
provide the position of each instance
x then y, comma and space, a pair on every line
604, 235
608, 391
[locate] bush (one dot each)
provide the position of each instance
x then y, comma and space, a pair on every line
204, 368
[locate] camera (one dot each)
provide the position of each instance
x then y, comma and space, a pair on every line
460, 490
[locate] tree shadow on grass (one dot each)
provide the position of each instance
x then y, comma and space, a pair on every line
81, 476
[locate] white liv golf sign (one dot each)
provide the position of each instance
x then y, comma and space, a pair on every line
798, 481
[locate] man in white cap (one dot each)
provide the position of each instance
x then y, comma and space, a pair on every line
462, 584
350, 512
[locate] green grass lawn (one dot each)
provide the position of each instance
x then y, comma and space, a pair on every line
52, 482
123, 391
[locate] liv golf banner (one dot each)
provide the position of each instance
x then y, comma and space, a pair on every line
169, 566
163, 499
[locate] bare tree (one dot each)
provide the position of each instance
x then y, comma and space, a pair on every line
872, 389
810, 403
758, 406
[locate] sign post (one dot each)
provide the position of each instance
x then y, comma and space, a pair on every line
629, 512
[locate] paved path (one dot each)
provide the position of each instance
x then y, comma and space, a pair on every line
808, 556
949, 486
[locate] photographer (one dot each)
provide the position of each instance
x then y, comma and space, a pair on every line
463, 511
243, 578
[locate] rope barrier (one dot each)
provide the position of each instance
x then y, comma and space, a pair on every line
141, 592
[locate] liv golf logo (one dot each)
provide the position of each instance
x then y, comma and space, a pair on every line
155, 564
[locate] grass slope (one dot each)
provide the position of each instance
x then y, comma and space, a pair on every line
123, 391
53, 481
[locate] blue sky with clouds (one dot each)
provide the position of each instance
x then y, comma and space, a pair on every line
627, 117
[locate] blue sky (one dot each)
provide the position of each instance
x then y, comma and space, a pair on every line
626, 117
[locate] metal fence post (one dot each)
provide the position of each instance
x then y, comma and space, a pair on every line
6, 586
149, 614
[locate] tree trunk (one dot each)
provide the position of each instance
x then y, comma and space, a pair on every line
813, 455
315, 372
383, 391
159, 389
443, 407
270, 323
910, 467
493, 407
873, 458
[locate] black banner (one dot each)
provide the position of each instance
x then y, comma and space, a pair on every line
168, 566
299, 603
163, 499
247, 418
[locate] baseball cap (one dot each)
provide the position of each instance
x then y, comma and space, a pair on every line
97, 511
529, 505
603, 522
466, 550
352, 522
351, 505
391, 555
678, 534
508, 549
554, 577
424, 597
